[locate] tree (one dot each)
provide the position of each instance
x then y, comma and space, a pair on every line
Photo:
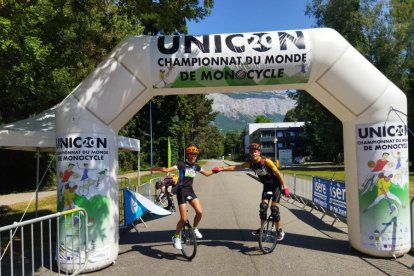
262, 119
212, 142
156, 16
49, 47
234, 144
323, 131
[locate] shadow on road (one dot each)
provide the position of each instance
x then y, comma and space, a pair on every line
234, 239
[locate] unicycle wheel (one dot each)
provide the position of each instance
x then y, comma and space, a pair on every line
267, 236
188, 242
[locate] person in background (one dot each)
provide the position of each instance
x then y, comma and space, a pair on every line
166, 186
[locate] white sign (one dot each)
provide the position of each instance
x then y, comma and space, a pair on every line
285, 157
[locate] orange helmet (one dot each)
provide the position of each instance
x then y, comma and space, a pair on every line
254, 146
191, 148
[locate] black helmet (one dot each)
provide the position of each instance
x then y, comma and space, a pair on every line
158, 185
254, 146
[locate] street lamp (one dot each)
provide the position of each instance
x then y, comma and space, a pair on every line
150, 115
275, 141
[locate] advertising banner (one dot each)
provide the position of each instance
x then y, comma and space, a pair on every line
245, 59
330, 194
82, 166
320, 192
383, 185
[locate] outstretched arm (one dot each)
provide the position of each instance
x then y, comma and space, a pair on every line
231, 168
220, 169
163, 169
208, 172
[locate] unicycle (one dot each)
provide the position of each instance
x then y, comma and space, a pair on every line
188, 241
268, 236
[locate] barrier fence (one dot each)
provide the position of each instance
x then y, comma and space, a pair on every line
31, 247
323, 194
27, 248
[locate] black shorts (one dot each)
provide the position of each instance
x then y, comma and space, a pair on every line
185, 194
272, 191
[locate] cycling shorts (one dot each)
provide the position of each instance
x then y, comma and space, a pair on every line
275, 192
185, 194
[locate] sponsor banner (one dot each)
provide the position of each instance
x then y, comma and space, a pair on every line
330, 194
383, 183
82, 168
244, 59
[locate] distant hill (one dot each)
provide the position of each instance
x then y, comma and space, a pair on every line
240, 108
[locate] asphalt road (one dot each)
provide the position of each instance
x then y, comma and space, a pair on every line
312, 245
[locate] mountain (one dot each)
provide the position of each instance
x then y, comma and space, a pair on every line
240, 108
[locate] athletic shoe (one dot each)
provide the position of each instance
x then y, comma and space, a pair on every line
280, 234
177, 242
197, 233
256, 232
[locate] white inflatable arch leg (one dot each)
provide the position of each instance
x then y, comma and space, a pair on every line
319, 61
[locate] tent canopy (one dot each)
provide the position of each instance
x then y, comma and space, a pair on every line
38, 133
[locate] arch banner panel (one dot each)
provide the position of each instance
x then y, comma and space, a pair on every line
249, 59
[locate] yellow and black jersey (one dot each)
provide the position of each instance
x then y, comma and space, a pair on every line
264, 168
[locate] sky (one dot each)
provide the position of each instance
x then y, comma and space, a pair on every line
243, 16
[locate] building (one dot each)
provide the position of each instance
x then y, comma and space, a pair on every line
286, 137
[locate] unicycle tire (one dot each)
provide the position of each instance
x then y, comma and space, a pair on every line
267, 236
188, 242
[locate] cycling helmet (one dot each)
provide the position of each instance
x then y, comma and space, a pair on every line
158, 185
191, 148
254, 146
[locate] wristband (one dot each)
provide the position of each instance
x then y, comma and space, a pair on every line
216, 170
286, 191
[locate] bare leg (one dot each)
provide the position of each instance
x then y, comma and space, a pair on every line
195, 203
183, 218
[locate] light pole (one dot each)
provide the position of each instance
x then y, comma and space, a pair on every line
150, 114
275, 141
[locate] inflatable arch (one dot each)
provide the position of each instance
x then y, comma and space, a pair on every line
319, 61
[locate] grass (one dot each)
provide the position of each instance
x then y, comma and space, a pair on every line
337, 175
15, 212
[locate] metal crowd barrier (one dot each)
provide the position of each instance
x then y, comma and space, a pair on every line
300, 186
34, 246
